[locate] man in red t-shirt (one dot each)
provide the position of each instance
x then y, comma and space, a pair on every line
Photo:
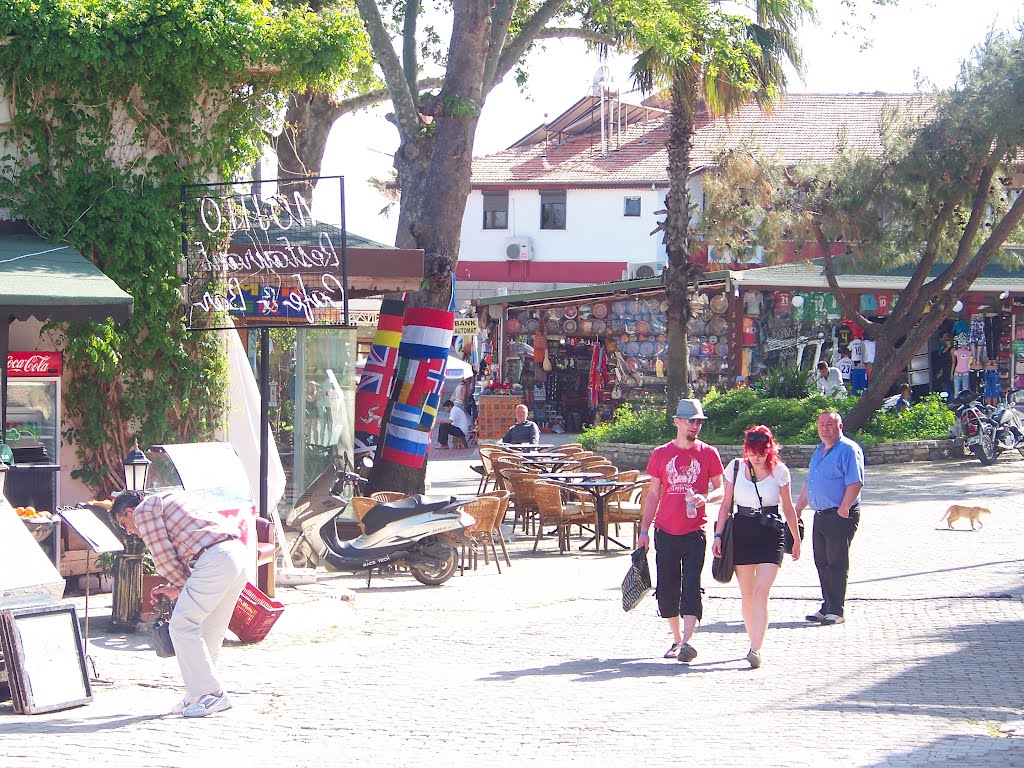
682, 472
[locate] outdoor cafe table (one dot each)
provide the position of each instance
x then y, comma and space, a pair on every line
601, 490
525, 447
549, 461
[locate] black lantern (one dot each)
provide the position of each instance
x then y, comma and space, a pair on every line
136, 467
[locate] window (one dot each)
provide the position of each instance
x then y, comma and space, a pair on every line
631, 206
496, 210
552, 209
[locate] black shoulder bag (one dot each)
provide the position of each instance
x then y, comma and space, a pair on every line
722, 567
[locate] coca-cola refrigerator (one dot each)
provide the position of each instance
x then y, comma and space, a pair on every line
33, 428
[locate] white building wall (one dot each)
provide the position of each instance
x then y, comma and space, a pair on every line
596, 229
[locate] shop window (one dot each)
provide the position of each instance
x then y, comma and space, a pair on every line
496, 210
631, 206
552, 209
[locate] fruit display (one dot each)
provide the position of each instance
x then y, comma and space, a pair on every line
31, 513
105, 503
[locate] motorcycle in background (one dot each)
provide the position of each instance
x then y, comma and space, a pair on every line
325, 498
987, 433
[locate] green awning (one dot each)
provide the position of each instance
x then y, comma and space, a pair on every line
53, 281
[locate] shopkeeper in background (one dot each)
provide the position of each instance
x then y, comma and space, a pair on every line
199, 552
523, 431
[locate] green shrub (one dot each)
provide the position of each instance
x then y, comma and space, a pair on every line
641, 426
792, 420
785, 381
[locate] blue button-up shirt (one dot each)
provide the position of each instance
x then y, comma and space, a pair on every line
829, 473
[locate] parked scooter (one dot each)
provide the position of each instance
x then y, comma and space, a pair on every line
325, 498
420, 532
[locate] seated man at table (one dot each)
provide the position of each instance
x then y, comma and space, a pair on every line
523, 431
452, 421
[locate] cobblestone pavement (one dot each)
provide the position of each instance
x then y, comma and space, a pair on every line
540, 666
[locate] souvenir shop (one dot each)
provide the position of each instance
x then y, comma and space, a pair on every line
574, 355
787, 316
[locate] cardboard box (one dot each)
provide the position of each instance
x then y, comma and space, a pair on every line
73, 563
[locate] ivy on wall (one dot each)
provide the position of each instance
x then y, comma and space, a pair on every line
115, 104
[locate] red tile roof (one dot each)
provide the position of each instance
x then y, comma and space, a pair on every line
801, 127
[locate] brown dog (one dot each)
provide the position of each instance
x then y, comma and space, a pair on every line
973, 514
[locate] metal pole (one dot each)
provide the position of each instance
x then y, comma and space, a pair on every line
5, 331
264, 418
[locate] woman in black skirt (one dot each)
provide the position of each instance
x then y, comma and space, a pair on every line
760, 484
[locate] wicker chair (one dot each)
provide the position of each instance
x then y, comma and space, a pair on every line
485, 468
485, 511
504, 497
592, 461
521, 485
360, 506
569, 448
386, 496
605, 470
552, 511
502, 465
628, 507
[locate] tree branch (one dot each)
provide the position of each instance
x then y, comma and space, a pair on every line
852, 310
549, 33
406, 112
501, 18
514, 50
409, 55
373, 98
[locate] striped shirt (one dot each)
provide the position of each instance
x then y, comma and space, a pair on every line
177, 527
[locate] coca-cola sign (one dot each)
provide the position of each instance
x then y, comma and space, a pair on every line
34, 364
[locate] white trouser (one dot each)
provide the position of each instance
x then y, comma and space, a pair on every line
203, 612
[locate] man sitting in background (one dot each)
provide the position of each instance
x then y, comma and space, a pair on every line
523, 431
453, 421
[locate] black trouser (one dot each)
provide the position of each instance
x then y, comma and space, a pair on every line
832, 537
679, 561
446, 430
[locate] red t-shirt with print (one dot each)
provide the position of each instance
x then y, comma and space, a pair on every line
679, 470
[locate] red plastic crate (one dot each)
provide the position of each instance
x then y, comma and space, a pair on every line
254, 615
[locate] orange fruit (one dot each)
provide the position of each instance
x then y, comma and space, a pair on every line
30, 510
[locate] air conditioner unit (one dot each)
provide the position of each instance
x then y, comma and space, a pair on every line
644, 269
519, 249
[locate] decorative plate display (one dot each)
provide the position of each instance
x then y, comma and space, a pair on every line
618, 326
632, 348
586, 326
718, 326
713, 339
513, 325
662, 337
723, 349
647, 348
532, 324
619, 307
569, 326
570, 312
719, 303
662, 347
555, 312
696, 326
585, 310
600, 327
523, 317
643, 326
664, 305
552, 326
600, 311
635, 308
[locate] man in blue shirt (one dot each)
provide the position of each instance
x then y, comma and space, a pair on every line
834, 479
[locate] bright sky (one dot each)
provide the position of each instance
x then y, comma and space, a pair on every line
929, 36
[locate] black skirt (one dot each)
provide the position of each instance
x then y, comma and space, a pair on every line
753, 543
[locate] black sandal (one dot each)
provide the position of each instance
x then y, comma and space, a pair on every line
672, 652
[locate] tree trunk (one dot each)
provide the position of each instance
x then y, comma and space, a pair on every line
434, 170
890, 363
680, 271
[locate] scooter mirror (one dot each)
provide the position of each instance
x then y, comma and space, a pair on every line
367, 462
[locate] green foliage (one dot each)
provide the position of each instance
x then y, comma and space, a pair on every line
785, 381
791, 420
641, 426
126, 101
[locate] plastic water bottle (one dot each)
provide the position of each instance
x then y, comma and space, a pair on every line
691, 504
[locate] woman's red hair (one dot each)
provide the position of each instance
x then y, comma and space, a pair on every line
769, 449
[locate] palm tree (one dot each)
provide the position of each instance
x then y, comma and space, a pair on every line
716, 61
